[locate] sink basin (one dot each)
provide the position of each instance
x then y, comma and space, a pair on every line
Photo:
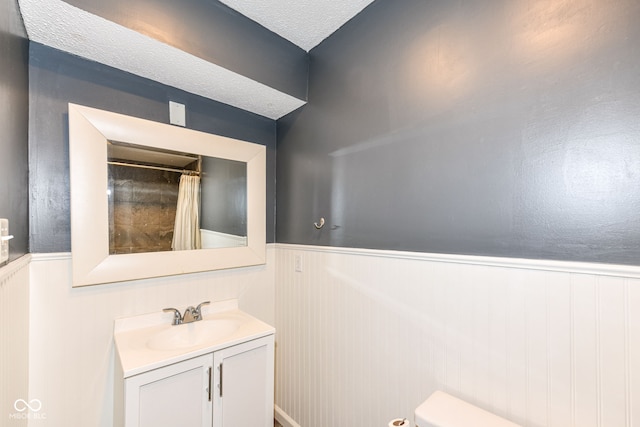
149, 341
193, 334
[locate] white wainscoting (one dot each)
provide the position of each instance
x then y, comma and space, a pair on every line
14, 343
72, 352
215, 239
365, 336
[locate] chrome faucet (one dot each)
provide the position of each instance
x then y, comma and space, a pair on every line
177, 318
191, 314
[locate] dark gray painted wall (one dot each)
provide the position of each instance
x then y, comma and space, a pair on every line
496, 127
224, 196
210, 30
14, 115
57, 78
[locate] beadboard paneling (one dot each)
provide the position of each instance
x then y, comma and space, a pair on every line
72, 358
365, 336
14, 342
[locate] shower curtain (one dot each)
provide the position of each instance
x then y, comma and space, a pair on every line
186, 232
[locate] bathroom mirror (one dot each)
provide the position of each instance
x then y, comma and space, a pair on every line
232, 190
148, 192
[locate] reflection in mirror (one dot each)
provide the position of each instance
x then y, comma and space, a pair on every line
224, 203
162, 200
94, 262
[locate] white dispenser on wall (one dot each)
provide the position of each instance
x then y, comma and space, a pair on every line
444, 410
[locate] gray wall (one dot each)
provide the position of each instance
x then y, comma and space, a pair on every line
212, 31
224, 196
57, 78
14, 115
496, 127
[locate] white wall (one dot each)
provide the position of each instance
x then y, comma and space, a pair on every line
366, 336
14, 342
71, 364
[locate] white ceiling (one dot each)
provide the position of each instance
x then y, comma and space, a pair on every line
305, 23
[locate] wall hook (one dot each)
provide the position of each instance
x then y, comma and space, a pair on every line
319, 225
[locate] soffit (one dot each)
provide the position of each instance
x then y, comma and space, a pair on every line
305, 23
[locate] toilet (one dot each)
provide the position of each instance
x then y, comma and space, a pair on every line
443, 410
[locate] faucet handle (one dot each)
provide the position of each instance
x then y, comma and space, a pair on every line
198, 313
177, 318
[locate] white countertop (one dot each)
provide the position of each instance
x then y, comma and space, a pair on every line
132, 334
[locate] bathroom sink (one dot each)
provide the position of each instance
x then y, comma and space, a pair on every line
149, 341
193, 334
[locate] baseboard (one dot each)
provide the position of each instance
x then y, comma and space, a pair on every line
284, 419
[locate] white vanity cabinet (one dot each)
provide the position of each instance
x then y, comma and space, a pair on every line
175, 395
231, 387
215, 372
243, 391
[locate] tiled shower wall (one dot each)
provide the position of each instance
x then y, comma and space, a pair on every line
142, 209
366, 336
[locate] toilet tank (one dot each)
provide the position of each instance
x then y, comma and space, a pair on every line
443, 410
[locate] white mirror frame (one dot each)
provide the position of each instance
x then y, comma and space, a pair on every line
89, 131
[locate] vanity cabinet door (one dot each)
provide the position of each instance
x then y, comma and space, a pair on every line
175, 395
243, 384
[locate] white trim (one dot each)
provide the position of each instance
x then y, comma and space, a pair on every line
53, 256
12, 267
57, 256
614, 270
284, 419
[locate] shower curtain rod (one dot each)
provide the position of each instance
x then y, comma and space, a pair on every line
160, 168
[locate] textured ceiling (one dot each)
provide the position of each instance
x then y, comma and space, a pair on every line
305, 23
62, 26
